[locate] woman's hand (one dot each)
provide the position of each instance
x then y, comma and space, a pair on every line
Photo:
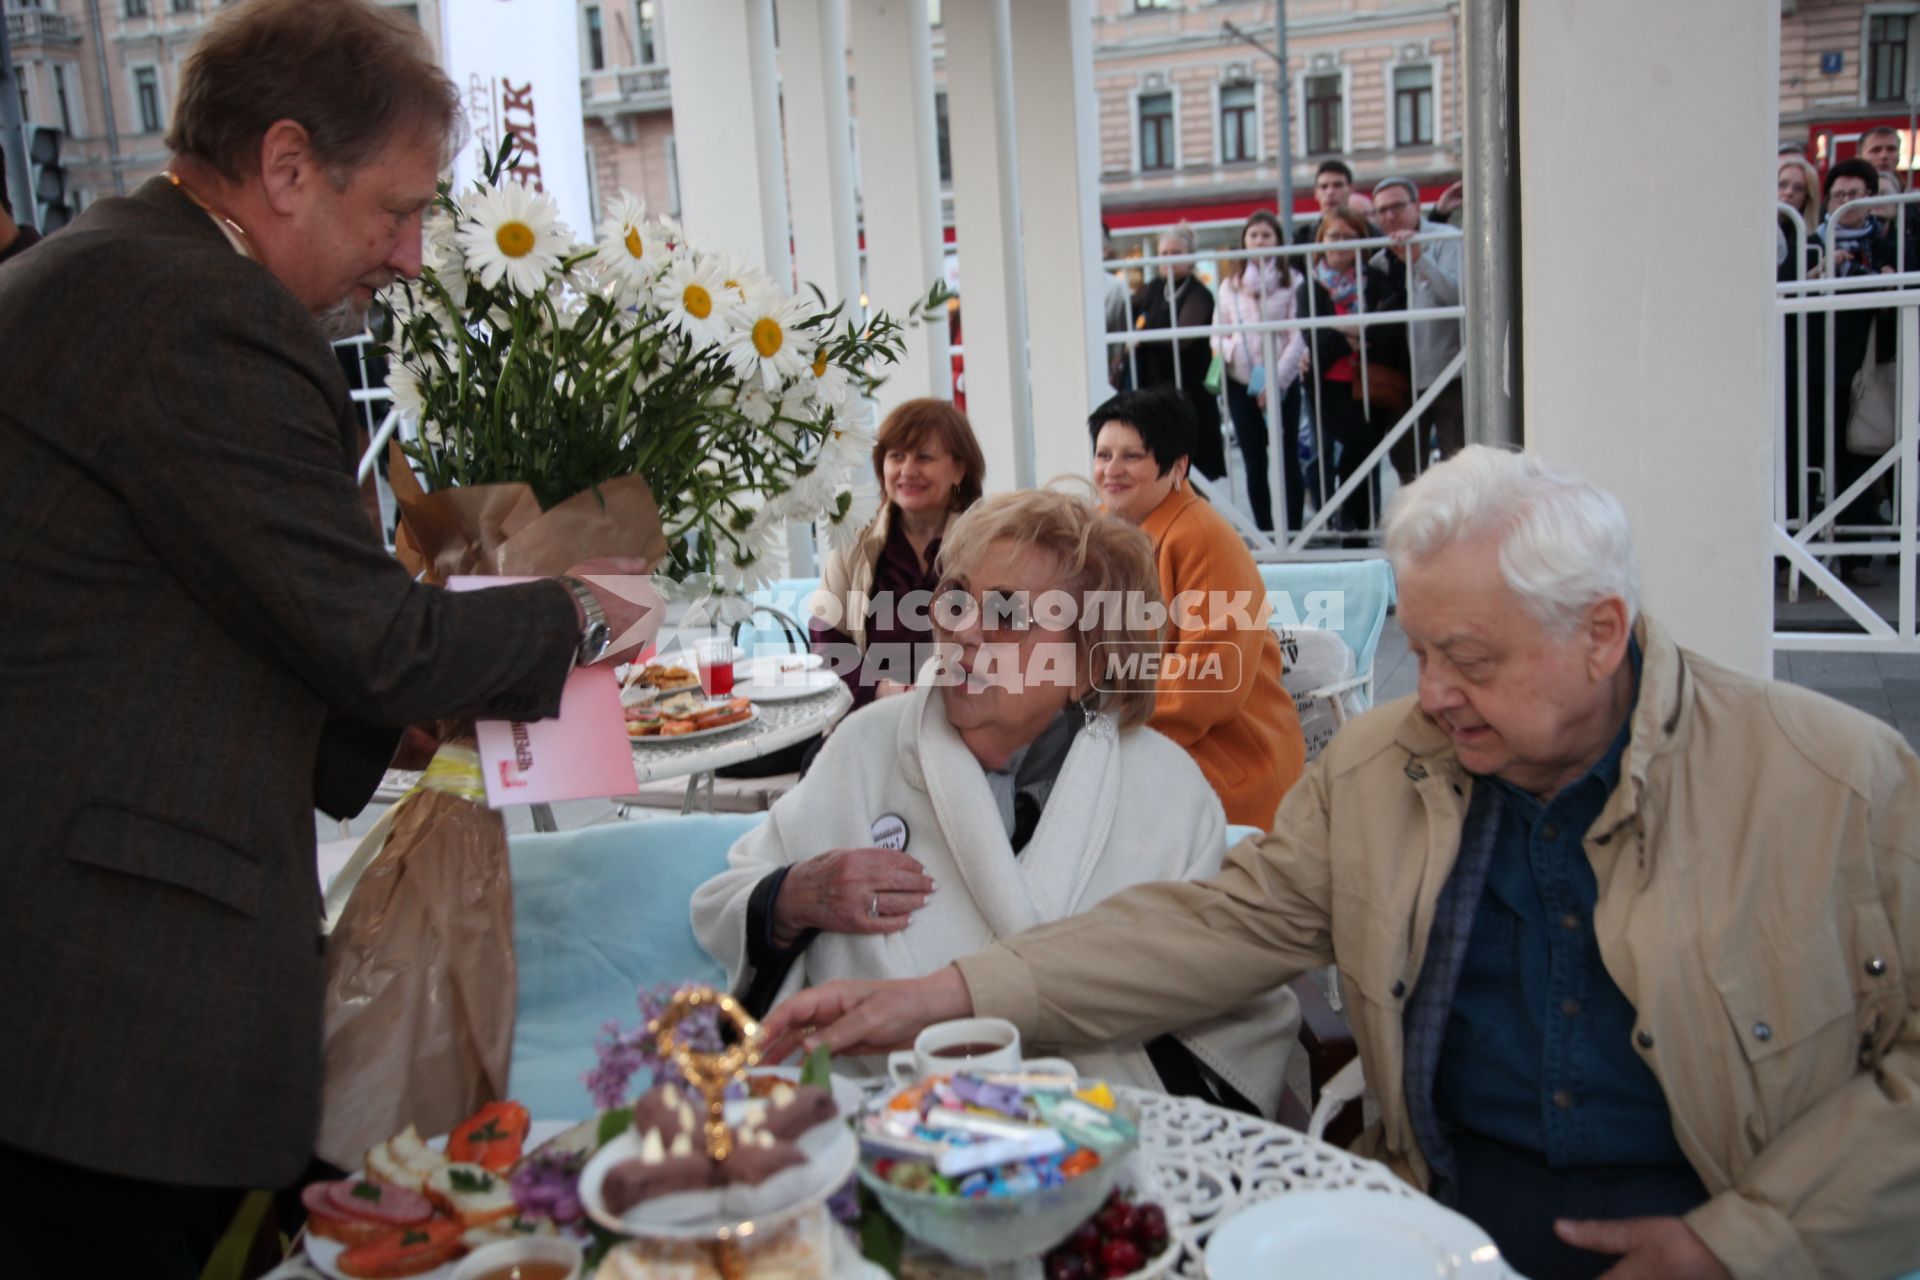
864, 1017
1306, 361
850, 891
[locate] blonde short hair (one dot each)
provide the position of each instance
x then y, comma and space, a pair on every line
1098, 556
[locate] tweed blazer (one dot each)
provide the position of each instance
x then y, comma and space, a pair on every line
204, 640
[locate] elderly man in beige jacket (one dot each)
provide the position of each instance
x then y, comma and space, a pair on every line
1631, 941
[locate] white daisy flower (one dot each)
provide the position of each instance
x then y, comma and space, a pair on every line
404, 385
631, 250
766, 344
694, 295
829, 386
513, 232
755, 405
737, 273
745, 561
849, 440
440, 254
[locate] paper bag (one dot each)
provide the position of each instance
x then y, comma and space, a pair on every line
421, 980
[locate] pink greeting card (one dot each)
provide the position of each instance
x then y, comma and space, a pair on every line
581, 754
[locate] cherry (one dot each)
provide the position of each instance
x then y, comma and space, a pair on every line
1116, 1220
1085, 1241
1121, 1258
1150, 1228
1064, 1264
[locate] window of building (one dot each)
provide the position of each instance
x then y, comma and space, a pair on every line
933, 13
596, 40
1887, 57
183, 6
1325, 129
1140, 6
136, 8
1413, 106
1239, 124
60, 102
1156, 131
649, 27
20, 83
146, 98
943, 136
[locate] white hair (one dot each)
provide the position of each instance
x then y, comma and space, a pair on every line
1564, 543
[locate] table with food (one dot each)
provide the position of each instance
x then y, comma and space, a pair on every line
725, 1169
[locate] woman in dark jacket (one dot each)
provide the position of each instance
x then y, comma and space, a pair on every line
1353, 414
1178, 299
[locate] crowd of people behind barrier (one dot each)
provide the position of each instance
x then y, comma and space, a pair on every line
1339, 390
1826, 233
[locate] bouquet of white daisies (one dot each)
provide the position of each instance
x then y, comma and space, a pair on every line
521, 356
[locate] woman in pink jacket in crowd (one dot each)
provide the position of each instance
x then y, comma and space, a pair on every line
1253, 290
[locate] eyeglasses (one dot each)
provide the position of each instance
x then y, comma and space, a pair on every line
1002, 616
1397, 206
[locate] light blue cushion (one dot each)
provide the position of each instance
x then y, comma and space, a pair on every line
1355, 594
599, 914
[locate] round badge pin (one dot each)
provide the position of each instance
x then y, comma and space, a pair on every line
889, 832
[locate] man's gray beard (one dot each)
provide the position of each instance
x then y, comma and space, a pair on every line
345, 319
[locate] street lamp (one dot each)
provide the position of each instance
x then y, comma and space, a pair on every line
1279, 55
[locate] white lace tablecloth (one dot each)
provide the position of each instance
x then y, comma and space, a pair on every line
1203, 1163
1210, 1162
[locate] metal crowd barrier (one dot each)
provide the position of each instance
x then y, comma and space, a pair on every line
1813, 532
1282, 543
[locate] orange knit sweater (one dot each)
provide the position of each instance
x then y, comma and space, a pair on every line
1231, 715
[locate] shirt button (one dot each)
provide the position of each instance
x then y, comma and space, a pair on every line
1548, 831
1562, 1099
1876, 967
1399, 988
1644, 1039
1762, 1032
1570, 922
1570, 1007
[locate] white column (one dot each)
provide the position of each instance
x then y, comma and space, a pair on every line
986, 225
1646, 343
813, 78
900, 183
1065, 290
727, 141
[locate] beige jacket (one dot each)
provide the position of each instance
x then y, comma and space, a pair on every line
1759, 877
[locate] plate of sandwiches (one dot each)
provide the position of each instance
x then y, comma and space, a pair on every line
419, 1206
687, 716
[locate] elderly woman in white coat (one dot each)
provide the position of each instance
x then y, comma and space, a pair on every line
1012, 786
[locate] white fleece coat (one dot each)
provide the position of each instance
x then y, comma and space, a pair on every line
1127, 808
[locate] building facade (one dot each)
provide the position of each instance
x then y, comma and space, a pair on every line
1846, 66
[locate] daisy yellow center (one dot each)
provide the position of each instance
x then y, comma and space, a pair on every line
634, 246
697, 301
767, 337
515, 239
820, 365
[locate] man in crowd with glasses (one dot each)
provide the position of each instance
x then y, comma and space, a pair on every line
1425, 275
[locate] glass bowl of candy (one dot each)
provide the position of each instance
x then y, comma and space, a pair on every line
991, 1168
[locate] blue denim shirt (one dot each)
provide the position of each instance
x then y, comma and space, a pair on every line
1538, 1048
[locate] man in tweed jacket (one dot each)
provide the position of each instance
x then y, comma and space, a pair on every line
204, 639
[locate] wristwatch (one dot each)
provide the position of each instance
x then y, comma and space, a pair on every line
595, 636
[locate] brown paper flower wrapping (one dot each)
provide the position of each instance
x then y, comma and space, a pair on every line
499, 529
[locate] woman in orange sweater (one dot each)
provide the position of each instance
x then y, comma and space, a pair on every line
1219, 694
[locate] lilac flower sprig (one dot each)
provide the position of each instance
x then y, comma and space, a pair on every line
623, 1053
547, 1185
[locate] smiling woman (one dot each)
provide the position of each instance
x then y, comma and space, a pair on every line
1021, 785
1220, 695
870, 613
